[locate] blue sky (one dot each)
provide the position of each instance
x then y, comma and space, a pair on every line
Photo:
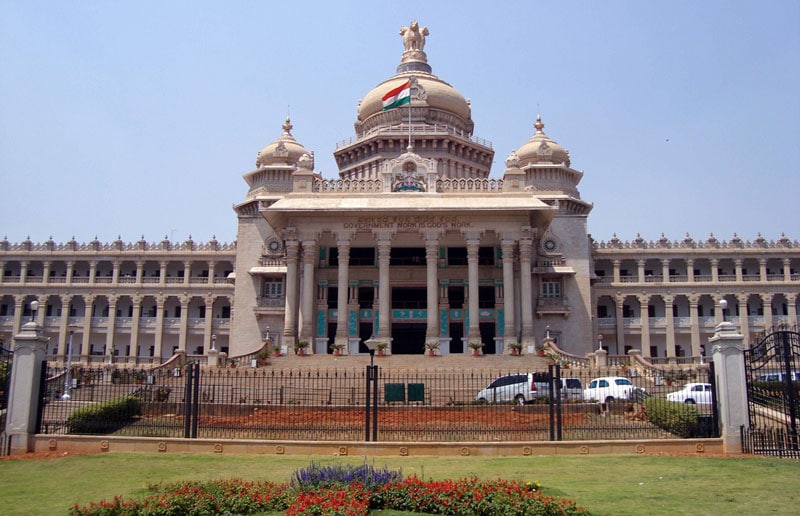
131, 118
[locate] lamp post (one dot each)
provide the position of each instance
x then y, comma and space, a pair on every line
213, 342
66, 396
34, 309
599, 343
723, 305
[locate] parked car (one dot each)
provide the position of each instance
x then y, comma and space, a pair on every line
571, 388
692, 393
778, 377
610, 388
519, 388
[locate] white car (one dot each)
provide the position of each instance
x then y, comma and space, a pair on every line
610, 388
692, 393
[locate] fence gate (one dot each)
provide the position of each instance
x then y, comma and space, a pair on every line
6, 358
773, 393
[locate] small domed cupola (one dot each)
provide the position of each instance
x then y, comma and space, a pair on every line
541, 149
284, 150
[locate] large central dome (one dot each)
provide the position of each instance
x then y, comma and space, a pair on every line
433, 100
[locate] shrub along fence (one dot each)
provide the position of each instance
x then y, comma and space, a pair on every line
332, 405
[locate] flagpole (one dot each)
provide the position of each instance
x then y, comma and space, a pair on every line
409, 113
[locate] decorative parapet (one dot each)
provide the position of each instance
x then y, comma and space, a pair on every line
469, 185
689, 243
348, 185
95, 246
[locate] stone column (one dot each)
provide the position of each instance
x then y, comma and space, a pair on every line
42, 311
762, 269
46, 271
307, 300
744, 320
187, 272
640, 267
23, 272
208, 322
616, 264
384, 288
343, 279
690, 270
211, 271
715, 270
728, 355
509, 327
86, 344
111, 327
137, 316
115, 273
787, 269
162, 272
290, 312
23, 400
619, 316
791, 301
737, 264
62, 325
184, 324
694, 319
432, 284
526, 296
665, 270
644, 317
70, 270
19, 307
92, 272
139, 271
668, 300
473, 245
159, 338
767, 298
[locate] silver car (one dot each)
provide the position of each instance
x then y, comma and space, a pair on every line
692, 393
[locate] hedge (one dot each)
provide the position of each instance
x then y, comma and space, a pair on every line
105, 417
674, 417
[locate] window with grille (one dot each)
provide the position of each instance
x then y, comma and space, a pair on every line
273, 287
550, 288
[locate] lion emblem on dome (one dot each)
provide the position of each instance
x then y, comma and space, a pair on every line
413, 36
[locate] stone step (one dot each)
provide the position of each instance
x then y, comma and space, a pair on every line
488, 363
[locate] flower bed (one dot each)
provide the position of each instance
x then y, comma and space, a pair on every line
335, 492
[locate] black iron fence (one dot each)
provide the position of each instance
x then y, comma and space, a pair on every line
341, 404
772, 370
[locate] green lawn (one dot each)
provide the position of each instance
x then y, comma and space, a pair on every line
607, 485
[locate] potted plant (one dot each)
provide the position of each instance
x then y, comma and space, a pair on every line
431, 347
516, 348
381, 347
476, 346
300, 347
261, 358
337, 349
276, 349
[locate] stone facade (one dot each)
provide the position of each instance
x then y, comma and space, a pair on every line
413, 245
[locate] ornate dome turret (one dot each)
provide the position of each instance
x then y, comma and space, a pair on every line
541, 149
433, 101
284, 150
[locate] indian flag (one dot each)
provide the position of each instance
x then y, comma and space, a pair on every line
397, 97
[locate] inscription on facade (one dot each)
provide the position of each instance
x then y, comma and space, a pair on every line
409, 222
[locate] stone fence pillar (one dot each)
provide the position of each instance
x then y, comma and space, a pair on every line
728, 356
23, 400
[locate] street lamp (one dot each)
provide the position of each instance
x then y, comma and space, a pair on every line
213, 343
66, 396
723, 304
34, 309
599, 343
547, 332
